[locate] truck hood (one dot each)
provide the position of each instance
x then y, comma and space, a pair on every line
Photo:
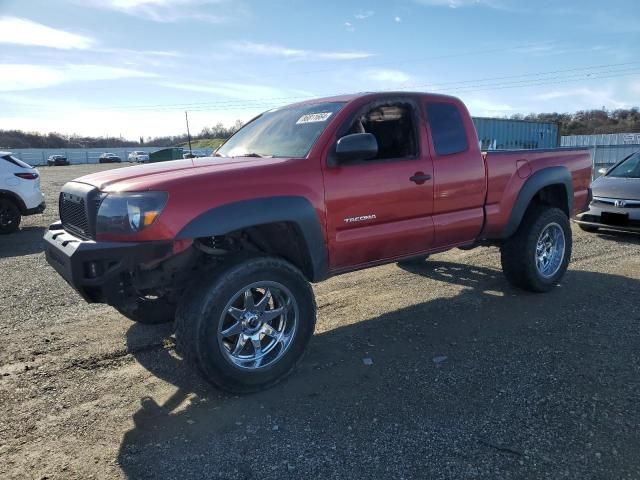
148, 176
615, 187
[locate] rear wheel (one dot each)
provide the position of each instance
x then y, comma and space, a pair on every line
10, 216
538, 255
246, 326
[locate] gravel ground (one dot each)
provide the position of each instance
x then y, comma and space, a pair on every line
440, 372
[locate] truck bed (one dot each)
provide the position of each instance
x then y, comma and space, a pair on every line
507, 170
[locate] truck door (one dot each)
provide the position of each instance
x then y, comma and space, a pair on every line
458, 172
381, 208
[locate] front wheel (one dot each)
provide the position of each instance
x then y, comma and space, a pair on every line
247, 325
10, 216
538, 255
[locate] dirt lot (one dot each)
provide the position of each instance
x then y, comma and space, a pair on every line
470, 377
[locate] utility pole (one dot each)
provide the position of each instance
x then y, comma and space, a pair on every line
186, 117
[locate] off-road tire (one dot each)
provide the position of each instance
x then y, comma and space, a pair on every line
200, 310
150, 311
518, 252
10, 208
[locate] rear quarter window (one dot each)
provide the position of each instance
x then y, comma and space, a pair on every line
16, 161
447, 128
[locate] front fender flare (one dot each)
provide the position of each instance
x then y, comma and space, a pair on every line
260, 211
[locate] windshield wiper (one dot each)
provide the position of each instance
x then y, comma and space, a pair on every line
254, 154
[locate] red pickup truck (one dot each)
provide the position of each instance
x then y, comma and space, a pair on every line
227, 245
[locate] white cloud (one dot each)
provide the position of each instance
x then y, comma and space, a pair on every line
85, 119
16, 77
497, 4
387, 76
364, 14
280, 51
487, 108
248, 92
586, 96
20, 31
162, 11
397, 19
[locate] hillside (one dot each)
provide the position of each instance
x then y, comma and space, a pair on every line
203, 143
583, 122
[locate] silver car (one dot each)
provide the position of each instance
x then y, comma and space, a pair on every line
616, 199
138, 156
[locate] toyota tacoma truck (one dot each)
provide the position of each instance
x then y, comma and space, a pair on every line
227, 245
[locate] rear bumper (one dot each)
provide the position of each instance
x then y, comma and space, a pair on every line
99, 271
33, 211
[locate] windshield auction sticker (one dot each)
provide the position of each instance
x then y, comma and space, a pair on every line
314, 117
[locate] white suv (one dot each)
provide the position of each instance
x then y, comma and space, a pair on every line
142, 157
19, 192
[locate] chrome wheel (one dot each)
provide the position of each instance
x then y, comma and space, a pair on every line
550, 250
258, 325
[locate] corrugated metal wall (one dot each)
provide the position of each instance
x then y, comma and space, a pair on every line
601, 139
38, 156
503, 134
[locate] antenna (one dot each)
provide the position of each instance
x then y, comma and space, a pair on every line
186, 117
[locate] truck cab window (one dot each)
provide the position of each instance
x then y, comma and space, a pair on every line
394, 128
447, 128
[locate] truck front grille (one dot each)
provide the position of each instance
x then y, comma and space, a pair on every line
73, 214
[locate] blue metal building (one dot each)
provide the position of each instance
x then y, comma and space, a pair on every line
505, 134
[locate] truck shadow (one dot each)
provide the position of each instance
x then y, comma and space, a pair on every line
619, 237
475, 379
26, 241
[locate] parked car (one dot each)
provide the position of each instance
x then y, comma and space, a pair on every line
57, 160
139, 156
20, 193
616, 198
109, 158
228, 245
166, 154
189, 154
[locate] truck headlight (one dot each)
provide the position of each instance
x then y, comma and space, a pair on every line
123, 213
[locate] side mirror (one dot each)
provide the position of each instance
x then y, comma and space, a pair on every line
357, 146
602, 171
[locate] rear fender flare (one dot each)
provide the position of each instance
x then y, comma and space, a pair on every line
539, 180
261, 211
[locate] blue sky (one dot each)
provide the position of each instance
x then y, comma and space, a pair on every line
132, 67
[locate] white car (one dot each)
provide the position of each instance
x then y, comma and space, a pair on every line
19, 192
142, 157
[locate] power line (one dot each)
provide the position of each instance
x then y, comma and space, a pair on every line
257, 102
513, 48
450, 91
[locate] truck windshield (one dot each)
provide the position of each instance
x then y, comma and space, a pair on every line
285, 132
630, 168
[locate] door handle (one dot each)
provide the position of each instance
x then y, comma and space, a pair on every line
420, 178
